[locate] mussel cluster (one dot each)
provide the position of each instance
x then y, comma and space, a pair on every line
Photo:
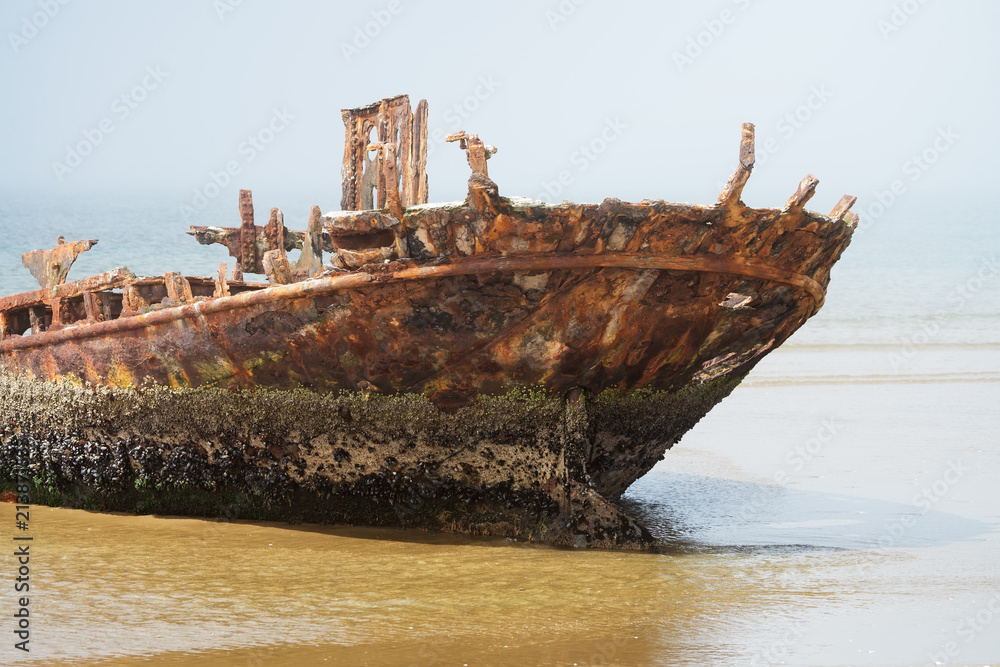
102, 464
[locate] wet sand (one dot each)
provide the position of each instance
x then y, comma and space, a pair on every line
836, 523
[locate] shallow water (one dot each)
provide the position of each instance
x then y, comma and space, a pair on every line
838, 564
841, 507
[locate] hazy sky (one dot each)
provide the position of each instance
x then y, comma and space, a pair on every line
155, 96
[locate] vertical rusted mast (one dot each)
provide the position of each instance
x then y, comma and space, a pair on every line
417, 174
248, 234
730, 196
311, 259
397, 126
382, 133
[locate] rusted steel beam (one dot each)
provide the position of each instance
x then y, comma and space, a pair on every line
415, 181
731, 194
384, 129
132, 301
388, 179
356, 169
221, 284
104, 299
58, 310
267, 237
92, 307
274, 262
248, 258
178, 287
310, 261
36, 316
476, 152
4, 326
274, 231
112, 279
843, 206
805, 192
276, 268
232, 238
312, 241
50, 267
392, 121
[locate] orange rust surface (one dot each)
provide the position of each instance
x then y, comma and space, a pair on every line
647, 315
458, 301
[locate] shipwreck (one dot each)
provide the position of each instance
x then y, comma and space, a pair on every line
497, 366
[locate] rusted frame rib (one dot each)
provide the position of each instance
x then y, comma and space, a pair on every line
520, 263
734, 187
248, 260
110, 280
805, 192
840, 211
92, 307
394, 122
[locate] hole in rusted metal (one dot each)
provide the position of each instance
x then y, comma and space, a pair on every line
376, 238
735, 301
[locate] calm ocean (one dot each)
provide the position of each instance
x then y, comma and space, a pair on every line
841, 507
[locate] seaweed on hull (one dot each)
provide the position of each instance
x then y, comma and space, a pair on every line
498, 366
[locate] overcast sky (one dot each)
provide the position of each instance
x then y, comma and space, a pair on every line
156, 96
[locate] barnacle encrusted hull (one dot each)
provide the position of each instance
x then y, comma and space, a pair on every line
496, 366
528, 465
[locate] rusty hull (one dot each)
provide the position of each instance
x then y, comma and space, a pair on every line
510, 367
624, 307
